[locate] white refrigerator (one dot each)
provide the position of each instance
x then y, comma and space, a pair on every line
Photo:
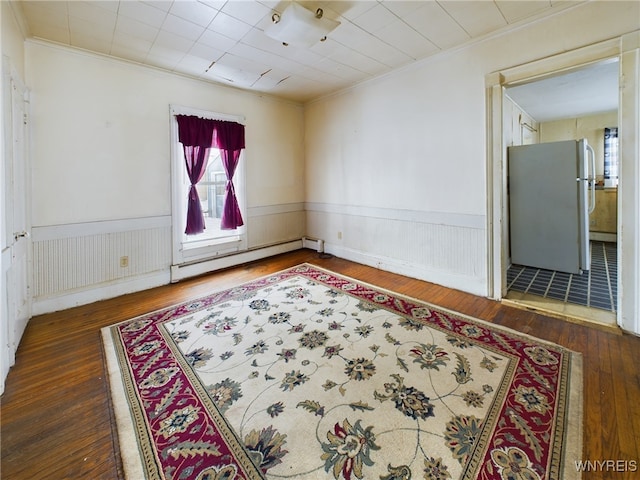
551, 194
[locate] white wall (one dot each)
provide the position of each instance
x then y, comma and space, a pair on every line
101, 169
399, 162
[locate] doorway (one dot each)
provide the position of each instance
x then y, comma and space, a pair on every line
627, 49
578, 105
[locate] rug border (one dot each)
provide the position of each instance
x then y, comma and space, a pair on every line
125, 423
575, 409
129, 447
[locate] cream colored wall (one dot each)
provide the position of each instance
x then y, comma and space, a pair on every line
101, 185
403, 157
520, 128
12, 36
590, 127
101, 137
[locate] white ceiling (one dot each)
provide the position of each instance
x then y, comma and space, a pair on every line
584, 91
224, 41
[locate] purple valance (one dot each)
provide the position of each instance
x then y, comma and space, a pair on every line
228, 135
205, 132
195, 131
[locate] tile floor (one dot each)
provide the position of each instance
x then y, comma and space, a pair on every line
596, 288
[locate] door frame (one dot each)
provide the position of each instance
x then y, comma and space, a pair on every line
627, 49
15, 312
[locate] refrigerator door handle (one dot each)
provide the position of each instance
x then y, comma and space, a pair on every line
591, 179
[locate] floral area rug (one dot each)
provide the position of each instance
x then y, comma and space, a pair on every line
306, 374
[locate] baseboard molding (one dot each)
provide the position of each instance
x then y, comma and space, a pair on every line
180, 272
475, 286
95, 293
103, 291
603, 237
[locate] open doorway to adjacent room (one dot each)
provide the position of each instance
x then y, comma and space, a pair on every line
575, 105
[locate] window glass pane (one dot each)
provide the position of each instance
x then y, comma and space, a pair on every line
211, 190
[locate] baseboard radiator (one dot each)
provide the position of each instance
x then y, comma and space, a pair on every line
180, 272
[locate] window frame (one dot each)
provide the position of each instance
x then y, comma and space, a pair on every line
205, 249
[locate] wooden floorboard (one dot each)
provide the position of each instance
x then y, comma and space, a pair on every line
56, 417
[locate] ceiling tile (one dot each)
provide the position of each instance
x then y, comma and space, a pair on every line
164, 5
53, 15
401, 7
216, 40
299, 89
475, 17
126, 53
159, 59
193, 65
93, 12
407, 40
249, 12
51, 32
231, 75
182, 27
145, 13
36, 9
251, 65
194, 12
175, 42
91, 43
271, 78
514, 11
80, 28
382, 52
375, 18
434, 23
320, 75
348, 33
124, 42
359, 61
205, 52
217, 4
312, 56
269, 59
229, 26
165, 56
187, 35
341, 70
111, 5
136, 29
350, 10
256, 38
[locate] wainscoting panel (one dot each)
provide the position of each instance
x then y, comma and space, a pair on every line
275, 224
417, 244
73, 257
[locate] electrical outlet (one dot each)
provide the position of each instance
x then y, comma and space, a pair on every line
124, 261
339, 235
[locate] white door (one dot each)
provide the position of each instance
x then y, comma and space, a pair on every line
16, 301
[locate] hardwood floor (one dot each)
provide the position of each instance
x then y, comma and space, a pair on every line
56, 418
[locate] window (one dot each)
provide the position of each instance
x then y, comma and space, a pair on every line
611, 157
214, 241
